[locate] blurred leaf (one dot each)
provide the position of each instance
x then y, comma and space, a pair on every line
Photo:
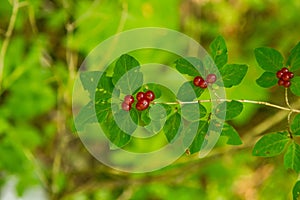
233, 74
295, 126
219, 51
172, 127
189, 66
188, 92
296, 191
229, 109
268, 59
295, 85
267, 79
193, 112
294, 58
292, 157
232, 134
270, 145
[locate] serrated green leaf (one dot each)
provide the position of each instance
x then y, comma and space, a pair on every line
270, 145
86, 115
296, 191
189, 66
294, 58
292, 157
231, 134
219, 51
201, 127
268, 59
295, 85
295, 125
188, 92
193, 112
123, 65
230, 109
90, 80
233, 74
267, 79
172, 127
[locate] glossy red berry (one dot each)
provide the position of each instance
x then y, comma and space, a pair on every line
142, 104
287, 84
197, 80
149, 95
128, 99
284, 70
279, 74
140, 96
126, 106
285, 76
280, 82
211, 78
203, 84
291, 74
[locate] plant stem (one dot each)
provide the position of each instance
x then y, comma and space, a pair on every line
229, 100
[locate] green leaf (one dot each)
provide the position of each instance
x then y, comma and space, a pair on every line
188, 92
172, 127
295, 125
232, 134
296, 191
294, 58
124, 64
292, 157
104, 89
219, 51
189, 66
127, 121
90, 80
230, 109
156, 88
102, 110
233, 74
145, 118
157, 112
116, 136
193, 112
199, 137
268, 59
270, 145
86, 115
267, 79
295, 85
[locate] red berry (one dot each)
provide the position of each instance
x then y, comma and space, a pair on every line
149, 95
280, 82
203, 84
142, 104
211, 78
287, 84
140, 96
291, 74
128, 99
279, 74
285, 76
284, 70
197, 80
126, 106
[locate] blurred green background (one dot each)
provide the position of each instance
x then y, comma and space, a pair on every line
43, 43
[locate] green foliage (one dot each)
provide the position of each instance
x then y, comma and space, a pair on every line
294, 58
189, 66
219, 51
233, 74
295, 125
268, 59
200, 135
231, 134
295, 86
189, 92
229, 109
267, 79
270, 145
172, 127
296, 191
292, 157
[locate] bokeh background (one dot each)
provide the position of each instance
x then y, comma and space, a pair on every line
43, 43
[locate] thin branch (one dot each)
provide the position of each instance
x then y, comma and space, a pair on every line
287, 98
8, 35
229, 100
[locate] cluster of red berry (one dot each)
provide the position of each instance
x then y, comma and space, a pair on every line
284, 76
143, 100
203, 83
